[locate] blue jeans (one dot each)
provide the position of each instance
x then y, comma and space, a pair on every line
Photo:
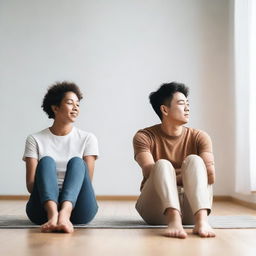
77, 189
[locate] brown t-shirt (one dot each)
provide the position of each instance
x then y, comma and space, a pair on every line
172, 148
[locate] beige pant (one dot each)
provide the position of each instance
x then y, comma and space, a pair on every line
161, 191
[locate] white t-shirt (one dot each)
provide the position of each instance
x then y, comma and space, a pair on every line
61, 148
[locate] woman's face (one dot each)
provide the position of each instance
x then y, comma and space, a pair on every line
68, 110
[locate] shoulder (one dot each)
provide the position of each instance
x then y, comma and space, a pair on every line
196, 133
150, 132
33, 137
84, 135
42, 133
30, 140
201, 139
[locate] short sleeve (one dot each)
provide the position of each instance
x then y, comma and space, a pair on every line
204, 143
31, 148
141, 143
91, 146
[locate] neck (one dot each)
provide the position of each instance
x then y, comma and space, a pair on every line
170, 129
60, 129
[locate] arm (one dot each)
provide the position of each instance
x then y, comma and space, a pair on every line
146, 162
209, 163
31, 164
90, 161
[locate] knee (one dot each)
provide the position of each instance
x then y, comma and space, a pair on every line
193, 164
163, 165
77, 162
193, 158
75, 159
47, 159
46, 163
162, 162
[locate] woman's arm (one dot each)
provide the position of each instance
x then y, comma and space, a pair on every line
90, 161
31, 164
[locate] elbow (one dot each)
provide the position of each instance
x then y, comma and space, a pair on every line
30, 187
211, 179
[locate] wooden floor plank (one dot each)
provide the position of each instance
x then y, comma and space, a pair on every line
148, 242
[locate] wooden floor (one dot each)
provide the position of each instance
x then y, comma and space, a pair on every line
148, 242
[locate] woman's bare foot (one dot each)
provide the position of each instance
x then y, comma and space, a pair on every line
175, 228
52, 215
64, 224
50, 225
202, 227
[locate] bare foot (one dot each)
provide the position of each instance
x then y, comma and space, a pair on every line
50, 225
175, 228
203, 229
64, 224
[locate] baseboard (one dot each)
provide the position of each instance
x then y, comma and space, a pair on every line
244, 203
99, 197
117, 198
134, 198
222, 198
14, 197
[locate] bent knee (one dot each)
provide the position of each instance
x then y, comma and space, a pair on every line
76, 159
163, 165
47, 159
194, 158
163, 162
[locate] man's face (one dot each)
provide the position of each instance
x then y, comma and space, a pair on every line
178, 112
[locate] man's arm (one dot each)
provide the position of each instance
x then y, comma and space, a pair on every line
90, 161
209, 163
31, 164
146, 162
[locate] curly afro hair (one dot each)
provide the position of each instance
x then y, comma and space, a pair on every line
56, 93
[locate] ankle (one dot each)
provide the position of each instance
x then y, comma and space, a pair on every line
201, 215
173, 215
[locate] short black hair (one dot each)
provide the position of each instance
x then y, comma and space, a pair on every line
56, 93
164, 95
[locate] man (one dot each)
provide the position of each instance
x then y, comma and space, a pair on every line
177, 165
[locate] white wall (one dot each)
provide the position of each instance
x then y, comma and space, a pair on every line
117, 52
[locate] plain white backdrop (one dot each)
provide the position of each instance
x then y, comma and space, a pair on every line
118, 52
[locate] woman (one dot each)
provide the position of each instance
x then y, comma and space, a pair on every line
60, 165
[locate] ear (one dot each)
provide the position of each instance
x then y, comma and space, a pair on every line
54, 108
164, 110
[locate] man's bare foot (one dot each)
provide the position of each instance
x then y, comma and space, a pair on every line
175, 228
64, 224
50, 225
202, 227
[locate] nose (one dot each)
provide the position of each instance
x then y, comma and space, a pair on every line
75, 107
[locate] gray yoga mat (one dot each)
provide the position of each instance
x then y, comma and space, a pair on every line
132, 222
